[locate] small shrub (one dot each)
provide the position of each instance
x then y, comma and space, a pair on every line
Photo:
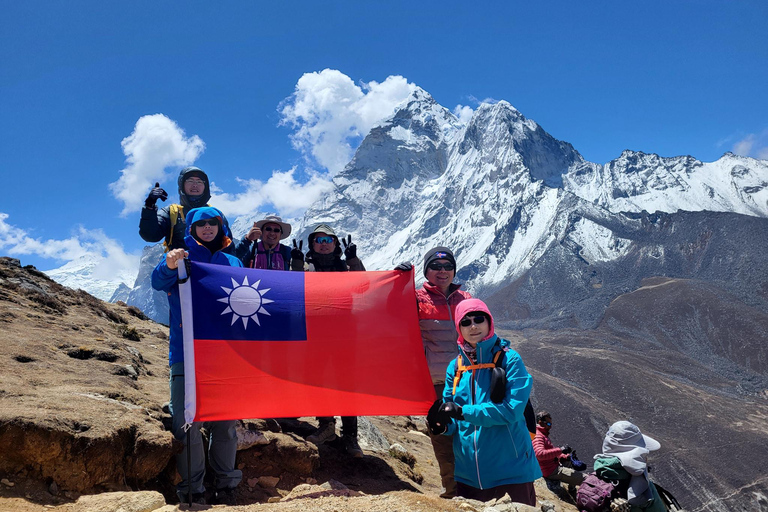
129, 333
134, 311
48, 302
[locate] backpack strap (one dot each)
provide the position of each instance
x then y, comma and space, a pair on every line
174, 211
461, 367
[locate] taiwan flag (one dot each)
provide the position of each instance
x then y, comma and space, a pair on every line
271, 344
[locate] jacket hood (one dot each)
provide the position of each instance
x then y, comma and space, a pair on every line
469, 306
193, 201
207, 212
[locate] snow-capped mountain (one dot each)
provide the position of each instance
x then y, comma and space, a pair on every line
92, 274
495, 191
506, 197
638, 181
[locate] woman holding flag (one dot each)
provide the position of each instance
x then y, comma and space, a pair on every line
207, 235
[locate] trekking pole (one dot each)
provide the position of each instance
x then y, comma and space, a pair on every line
189, 468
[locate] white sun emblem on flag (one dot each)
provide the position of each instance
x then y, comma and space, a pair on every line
245, 301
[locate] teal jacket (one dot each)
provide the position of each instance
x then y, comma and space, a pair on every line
491, 444
165, 279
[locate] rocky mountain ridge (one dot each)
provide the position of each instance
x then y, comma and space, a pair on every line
500, 191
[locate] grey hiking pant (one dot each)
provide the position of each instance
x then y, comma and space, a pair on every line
222, 445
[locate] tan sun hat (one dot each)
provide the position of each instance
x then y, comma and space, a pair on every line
274, 219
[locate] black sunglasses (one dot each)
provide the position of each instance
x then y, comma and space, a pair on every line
441, 266
207, 222
272, 230
467, 320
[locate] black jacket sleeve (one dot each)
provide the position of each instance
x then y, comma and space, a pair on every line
155, 225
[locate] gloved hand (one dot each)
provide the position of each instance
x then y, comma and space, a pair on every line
296, 253
566, 449
404, 266
155, 194
453, 410
350, 249
437, 420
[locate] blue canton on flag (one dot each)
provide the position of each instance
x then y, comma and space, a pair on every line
231, 303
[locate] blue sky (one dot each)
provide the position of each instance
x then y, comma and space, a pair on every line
241, 89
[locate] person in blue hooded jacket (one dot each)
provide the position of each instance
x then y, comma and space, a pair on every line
486, 391
206, 238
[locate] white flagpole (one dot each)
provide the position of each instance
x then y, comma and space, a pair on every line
185, 298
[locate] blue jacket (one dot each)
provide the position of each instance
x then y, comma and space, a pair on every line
164, 278
491, 445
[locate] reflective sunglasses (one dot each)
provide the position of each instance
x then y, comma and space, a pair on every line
207, 222
440, 266
467, 320
272, 230
324, 239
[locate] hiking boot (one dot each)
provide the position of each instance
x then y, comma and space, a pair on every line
351, 447
324, 433
226, 496
198, 498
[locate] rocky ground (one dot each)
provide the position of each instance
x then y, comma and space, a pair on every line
83, 382
82, 426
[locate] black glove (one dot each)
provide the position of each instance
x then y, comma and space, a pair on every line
437, 420
350, 249
155, 194
566, 449
404, 266
296, 253
453, 410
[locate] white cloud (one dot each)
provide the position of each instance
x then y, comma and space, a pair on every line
754, 145
464, 113
15, 241
329, 111
156, 143
281, 190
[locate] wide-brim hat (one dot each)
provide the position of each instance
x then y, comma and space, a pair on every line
623, 438
274, 219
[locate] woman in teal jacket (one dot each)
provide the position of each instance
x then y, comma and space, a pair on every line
486, 391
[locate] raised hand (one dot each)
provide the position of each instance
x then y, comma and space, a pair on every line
254, 233
155, 194
296, 252
405, 266
350, 249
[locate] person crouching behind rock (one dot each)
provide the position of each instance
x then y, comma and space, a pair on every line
207, 235
486, 392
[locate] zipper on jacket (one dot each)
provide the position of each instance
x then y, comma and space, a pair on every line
477, 459
514, 445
